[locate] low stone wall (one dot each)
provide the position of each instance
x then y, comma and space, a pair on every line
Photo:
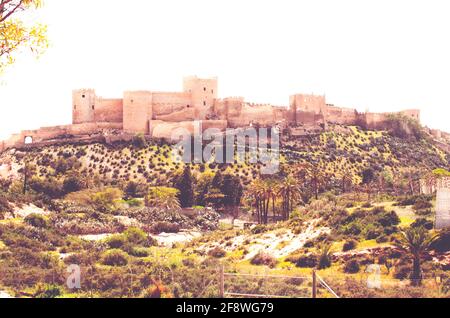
47, 135
219, 124
165, 130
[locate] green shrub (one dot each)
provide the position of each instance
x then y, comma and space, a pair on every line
264, 259
47, 291
402, 271
134, 202
217, 252
114, 257
424, 212
4, 204
138, 251
351, 267
372, 233
135, 190
382, 239
389, 219
422, 222
116, 241
366, 205
139, 141
135, 235
353, 228
260, 228
413, 199
103, 199
422, 204
324, 260
165, 227
349, 245
72, 184
307, 261
442, 242
49, 187
36, 220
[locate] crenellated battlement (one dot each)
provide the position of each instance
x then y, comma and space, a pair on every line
197, 101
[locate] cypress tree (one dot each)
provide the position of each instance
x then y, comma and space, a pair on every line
185, 184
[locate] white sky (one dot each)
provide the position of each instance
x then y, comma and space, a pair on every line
377, 55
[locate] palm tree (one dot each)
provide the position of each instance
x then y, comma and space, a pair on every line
325, 256
347, 180
399, 185
289, 190
429, 181
254, 194
271, 194
412, 175
316, 178
416, 241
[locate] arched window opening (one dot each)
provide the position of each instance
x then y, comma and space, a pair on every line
28, 140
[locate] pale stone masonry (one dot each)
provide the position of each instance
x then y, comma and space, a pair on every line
157, 114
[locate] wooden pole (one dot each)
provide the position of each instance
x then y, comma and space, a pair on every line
25, 178
314, 284
221, 282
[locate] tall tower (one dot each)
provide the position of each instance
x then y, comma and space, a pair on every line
308, 103
83, 106
203, 92
137, 111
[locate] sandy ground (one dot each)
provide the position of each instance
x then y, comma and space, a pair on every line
26, 210
278, 243
168, 239
95, 237
164, 239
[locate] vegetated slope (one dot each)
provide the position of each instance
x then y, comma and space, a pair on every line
347, 150
350, 150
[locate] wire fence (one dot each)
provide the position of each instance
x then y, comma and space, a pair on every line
272, 286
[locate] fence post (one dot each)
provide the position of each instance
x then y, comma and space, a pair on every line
221, 282
314, 284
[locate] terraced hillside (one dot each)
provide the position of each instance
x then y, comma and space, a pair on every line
338, 151
350, 150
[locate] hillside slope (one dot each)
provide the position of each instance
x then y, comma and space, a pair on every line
343, 150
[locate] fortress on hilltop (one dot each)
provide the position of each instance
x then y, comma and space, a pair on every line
197, 106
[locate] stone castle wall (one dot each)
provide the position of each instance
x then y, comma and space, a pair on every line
139, 112
108, 110
167, 103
